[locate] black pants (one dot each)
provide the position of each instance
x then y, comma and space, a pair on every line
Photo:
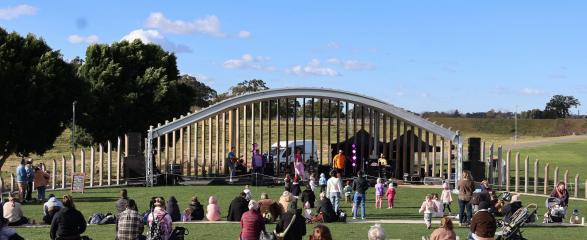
22, 221
29, 191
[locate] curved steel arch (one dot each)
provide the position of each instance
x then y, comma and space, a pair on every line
235, 102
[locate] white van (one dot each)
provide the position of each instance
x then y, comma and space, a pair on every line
286, 151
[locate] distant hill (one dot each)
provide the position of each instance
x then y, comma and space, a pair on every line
527, 127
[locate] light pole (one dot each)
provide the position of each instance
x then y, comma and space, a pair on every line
73, 128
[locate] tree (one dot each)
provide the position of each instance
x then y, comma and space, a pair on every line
248, 86
133, 85
204, 95
559, 105
36, 95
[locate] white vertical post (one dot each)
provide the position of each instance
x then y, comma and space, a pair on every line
526, 167
63, 182
118, 161
12, 180
109, 164
536, 176
53, 174
507, 170
517, 176
555, 177
546, 178
73, 168
576, 186
92, 165
101, 167
82, 160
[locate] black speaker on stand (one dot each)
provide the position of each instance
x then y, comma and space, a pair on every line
474, 152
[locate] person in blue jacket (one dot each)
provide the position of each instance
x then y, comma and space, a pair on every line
21, 179
30, 177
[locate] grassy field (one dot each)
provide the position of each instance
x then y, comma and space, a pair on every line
408, 201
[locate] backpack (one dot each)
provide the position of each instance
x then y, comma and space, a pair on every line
96, 218
155, 229
108, 219
341, 216
179, 233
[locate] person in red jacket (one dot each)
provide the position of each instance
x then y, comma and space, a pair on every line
390, 193
252, 222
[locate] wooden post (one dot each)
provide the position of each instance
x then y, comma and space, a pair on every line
517, 174
566, 178
500, 167
92, 165
546, 178
433, 154
101, 166
63, 183
189, 150
181, 159
166, 147
507, 170
173, 146
576, 186
210, 168
418, 145
555, 177
195, 158
217, 147
526, 167
109, 170
449, 163
118, 160
536, 176
483, 159
53, 174
442, 156
159, 161
12, 180
82, 160
427, 159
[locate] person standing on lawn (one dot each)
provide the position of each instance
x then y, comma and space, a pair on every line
41, 179
360, 186
21, 179
30, 178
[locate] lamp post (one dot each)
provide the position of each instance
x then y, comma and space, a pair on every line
73, 128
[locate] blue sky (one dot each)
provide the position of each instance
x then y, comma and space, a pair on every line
420, 55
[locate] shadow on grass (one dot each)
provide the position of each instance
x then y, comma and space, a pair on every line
96, 199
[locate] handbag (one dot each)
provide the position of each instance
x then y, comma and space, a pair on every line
281, 236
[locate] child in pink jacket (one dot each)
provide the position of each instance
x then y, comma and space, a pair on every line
213, 209
428, 208
390, 193
446, 198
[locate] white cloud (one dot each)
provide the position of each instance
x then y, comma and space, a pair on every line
154, 36
10, 13
312, 68
352, 64
208, 25
90, 39
531, 91
334, 45
244, 34
248, 61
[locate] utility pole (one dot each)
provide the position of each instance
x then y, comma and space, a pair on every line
73, 128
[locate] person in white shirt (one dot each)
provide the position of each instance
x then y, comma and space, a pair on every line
52, 202
334, 189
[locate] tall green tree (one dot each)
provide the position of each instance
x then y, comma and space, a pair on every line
37, 91
133, 85
559, 105
204, 95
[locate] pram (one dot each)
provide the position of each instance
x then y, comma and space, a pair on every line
512, 230
555, 213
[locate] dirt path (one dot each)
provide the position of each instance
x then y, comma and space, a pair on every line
545, 141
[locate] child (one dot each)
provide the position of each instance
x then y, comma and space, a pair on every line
287, 182
348, 192
247, 191
446, 198
439, 212
390, 195
187, 215
322, 182
428, 208
379, 188
312, 182
307, 212
213, 209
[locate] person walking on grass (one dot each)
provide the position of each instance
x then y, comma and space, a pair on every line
360, 186
428, 208
466, 188
68, 223
446, 198
379, 190
390, 193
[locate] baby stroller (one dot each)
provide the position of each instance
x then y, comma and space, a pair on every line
555, 212
512, 230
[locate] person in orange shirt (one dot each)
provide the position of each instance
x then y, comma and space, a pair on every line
339, 162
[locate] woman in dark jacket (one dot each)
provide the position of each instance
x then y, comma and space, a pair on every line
466, 188
326, 209
68, 223
173, 209
308, 196
197, 209
297, 230
561, 193
237, 208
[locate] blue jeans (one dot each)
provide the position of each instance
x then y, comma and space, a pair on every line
465, 205
41, 193
359, 199
335, 199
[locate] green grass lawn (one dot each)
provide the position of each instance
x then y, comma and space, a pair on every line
408, 201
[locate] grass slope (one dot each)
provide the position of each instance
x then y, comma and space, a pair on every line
407, 203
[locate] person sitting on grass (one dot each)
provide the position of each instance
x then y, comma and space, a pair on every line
326, 211
321, 232
445, 231
8, 232
122, 202
213, 210
187, 215
308, 196
284, 201
269, 208
68, 223
197, 209
12, 210
297, 228
237, 208
130, 224
52, 202
376, 232
251, 222
173, 209
160, 217
511, 208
